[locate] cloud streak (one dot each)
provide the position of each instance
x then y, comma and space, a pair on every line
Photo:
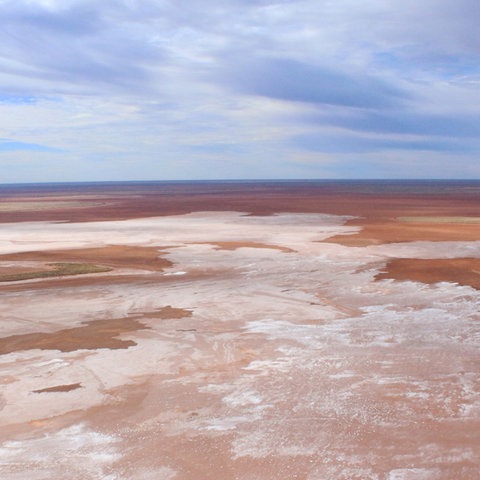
354, 144
295, 81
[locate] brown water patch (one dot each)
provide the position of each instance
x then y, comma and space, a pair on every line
90, 336
59, 388
464, 271
237, 245
113, 256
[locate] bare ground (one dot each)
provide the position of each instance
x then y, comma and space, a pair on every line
295, 357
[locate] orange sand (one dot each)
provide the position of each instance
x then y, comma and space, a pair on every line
93, 335
464, 271
115, 256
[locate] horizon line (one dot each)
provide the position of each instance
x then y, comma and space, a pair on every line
239, 180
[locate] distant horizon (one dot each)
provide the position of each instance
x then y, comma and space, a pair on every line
245, 181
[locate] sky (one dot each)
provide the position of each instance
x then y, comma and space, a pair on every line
108, 90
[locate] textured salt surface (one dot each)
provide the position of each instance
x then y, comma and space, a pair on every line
294, 362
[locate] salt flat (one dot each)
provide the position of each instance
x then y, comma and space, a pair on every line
277, 357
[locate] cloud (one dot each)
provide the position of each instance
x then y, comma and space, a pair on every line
332, 143
405, 122
432, 32
300, 82
73, 47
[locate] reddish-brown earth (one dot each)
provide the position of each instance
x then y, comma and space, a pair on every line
59, 388
121, 202
115, 256
91, 336
464, 271
375, 231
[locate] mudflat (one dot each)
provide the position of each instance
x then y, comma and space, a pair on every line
264, 330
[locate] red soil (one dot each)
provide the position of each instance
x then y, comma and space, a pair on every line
464, 271
90, 336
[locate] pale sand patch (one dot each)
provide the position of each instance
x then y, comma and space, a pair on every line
89, 455
282, 230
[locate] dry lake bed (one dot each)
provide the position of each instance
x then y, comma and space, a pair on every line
240, 332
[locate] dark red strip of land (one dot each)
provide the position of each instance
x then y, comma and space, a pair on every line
376, 201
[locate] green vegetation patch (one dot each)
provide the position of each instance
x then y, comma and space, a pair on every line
37, 206
58, 270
